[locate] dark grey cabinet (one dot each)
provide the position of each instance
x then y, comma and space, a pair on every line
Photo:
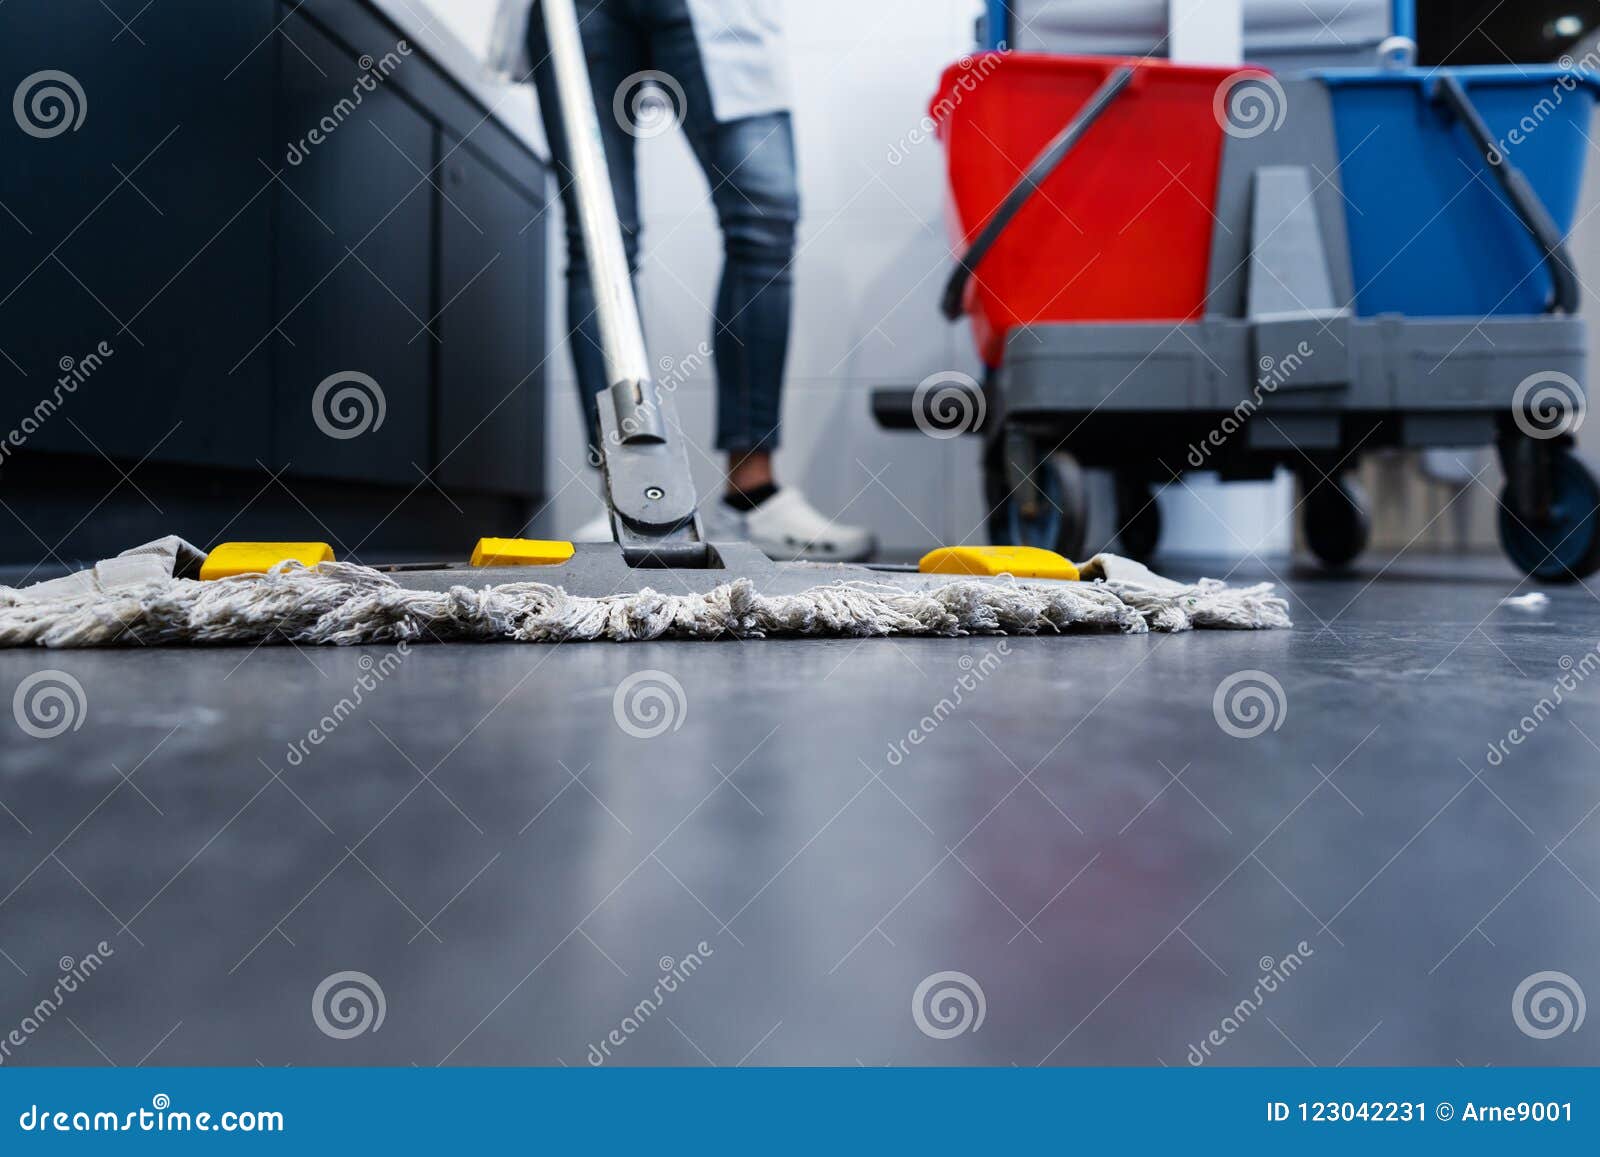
238, 219
147, 228
354, 267
491, 268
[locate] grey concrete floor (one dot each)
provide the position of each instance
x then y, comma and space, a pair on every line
516, 869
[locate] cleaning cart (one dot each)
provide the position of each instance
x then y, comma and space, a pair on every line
1172, 268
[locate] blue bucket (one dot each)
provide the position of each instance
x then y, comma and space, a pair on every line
1431, 232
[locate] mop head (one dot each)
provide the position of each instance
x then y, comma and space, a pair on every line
343, 603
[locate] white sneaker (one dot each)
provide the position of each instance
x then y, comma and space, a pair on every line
790, 529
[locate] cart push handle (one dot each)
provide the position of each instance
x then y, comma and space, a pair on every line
1038, 170
1524, 200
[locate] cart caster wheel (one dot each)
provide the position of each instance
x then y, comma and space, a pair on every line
1564, 545
1059, 518
1138, 516
1337, 520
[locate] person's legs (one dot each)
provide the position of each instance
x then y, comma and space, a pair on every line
750, 166
755, 190
615, 47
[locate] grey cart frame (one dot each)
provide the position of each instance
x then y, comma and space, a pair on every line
1279, 371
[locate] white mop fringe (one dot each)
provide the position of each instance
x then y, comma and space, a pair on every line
344, 604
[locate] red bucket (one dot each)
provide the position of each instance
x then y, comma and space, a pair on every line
1121, 230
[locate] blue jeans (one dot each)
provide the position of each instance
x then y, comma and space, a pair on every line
750, 167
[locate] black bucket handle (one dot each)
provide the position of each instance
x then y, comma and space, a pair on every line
1524, 200
1038, 170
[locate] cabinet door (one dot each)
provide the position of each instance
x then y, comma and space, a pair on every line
137, 215
354, 273
491, 329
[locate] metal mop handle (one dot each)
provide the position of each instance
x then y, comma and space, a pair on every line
620, 332
648, 487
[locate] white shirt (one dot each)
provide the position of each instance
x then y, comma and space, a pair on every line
741, 48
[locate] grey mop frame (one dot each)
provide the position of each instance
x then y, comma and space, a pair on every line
1315, 384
